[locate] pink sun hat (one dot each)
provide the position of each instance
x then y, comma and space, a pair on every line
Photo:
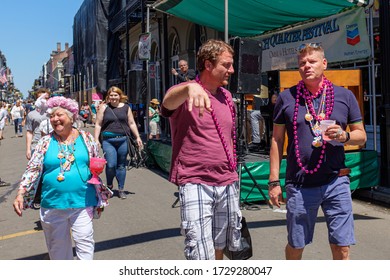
97, 96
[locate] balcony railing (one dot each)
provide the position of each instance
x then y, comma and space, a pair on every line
118, 21
133, 12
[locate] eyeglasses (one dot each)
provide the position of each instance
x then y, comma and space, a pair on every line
309, 45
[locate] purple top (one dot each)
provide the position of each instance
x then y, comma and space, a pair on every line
197, 152
345, 111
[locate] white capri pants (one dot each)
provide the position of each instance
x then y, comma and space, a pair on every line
60, 225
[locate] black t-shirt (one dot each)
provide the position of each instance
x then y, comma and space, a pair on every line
184, 77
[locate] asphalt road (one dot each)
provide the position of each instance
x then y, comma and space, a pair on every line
146, 227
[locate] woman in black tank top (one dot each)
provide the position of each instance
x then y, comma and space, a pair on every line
114, 121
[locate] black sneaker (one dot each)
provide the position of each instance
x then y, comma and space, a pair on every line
4, 184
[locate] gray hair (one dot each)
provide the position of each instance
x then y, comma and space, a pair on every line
70, 115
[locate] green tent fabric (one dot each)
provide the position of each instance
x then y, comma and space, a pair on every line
252, 17
364, 174
159, 154
364, 170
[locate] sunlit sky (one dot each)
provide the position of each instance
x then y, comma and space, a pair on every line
30, 32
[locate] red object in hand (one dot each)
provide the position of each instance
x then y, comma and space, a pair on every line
96, 166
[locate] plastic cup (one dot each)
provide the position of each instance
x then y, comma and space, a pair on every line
324, 126
96, 166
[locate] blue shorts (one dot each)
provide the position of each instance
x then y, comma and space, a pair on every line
302, 210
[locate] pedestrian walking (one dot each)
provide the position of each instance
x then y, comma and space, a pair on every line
114, 123
85, 112
3, 118
316, 174
202, 118
94, 108
67, 200
154, 119
17, 114
34, 119
8, 121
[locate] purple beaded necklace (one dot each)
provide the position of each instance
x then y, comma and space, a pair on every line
232, 160
305, 94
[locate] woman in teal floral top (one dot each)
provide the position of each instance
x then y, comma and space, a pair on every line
61, 164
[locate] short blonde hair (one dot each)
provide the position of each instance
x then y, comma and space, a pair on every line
311, 47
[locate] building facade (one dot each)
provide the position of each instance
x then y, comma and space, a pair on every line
172, 39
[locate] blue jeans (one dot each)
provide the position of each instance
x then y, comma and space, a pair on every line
115, 152
18, 125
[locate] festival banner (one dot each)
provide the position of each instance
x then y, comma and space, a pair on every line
343, 36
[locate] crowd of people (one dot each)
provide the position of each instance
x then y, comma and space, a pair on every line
202, 119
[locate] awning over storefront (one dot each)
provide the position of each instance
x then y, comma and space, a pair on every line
248, 18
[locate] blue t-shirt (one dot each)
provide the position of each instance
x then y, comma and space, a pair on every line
345, 111
73, 192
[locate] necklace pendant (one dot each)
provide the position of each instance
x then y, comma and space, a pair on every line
66, 165
317, 142
321, 116
308, 117
317, 128
60, 155
70, 158
60, 177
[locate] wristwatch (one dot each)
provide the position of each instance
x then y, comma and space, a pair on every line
347, 137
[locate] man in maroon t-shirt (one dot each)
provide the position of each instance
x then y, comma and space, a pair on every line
316, 174
202, 119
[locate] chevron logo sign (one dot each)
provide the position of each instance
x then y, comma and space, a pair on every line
353, 36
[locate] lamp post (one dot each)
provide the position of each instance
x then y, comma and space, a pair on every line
68, 84
60, 81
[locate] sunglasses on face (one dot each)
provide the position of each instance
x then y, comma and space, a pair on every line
303, 47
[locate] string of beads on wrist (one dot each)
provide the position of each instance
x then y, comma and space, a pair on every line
274, 183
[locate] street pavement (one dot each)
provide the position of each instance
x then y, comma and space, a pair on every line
145, 226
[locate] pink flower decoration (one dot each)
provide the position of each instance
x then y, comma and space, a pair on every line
65, 103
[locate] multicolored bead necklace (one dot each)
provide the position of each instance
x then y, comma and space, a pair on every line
315, 126
66, 153
327, 89
232, 160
